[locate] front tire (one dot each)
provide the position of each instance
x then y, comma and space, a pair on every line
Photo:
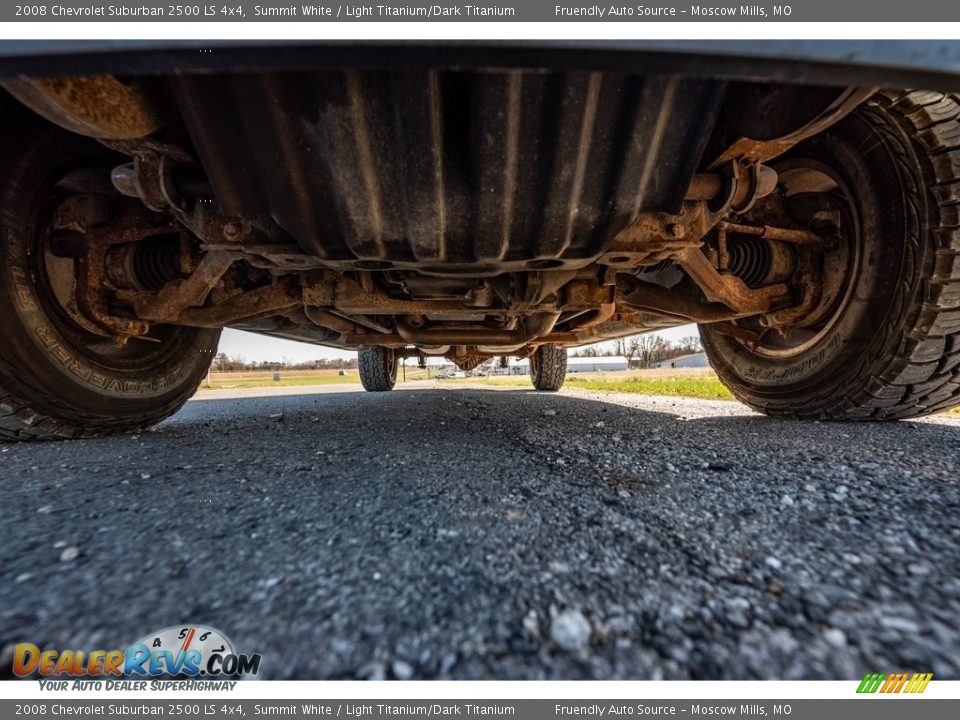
889, 346
548, 367
58, 377
378, 369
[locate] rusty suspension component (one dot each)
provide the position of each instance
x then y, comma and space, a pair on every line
534, 327
82, 229
177, 296
333, 290
729, 289
737, 178
632, 293
332, 321
748, 151
266, 301
768, 232
653, 237
737, 187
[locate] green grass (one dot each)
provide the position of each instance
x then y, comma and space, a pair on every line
284, 381
708, 388
516, 381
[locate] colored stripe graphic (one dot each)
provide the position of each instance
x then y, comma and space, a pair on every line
918, 683
894, 682
870, 683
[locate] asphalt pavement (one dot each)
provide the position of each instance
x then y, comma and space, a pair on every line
444, 531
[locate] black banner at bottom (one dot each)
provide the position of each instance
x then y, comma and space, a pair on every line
873, 707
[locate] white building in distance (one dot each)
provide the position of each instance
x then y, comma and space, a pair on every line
612, 363
693, 360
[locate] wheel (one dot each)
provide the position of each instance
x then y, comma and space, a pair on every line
59, 377
378, 369
883, 339
548, 367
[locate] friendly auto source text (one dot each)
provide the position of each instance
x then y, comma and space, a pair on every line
601, 11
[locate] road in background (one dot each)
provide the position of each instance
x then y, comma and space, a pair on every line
479, 532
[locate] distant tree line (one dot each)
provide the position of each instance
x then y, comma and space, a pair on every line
225, 363
642, 351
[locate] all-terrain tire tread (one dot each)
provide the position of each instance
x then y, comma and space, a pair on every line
906, 374
24, 424
549, 369
374, 366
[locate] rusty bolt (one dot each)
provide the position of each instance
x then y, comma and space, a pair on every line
676, 230
232, 230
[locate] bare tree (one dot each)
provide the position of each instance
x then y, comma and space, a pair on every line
689, 345
664, 349
223, 363
648, 349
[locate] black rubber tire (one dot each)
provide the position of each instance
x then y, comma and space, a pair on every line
894, 352
378, 369
548, 367
51, 385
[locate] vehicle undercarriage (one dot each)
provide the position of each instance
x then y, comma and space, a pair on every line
465, 213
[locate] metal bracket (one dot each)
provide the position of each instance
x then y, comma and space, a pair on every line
177, 296
653, 237
729, 289
747, 151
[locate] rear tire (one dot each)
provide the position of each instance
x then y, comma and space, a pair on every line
892, 350
548, 367
378, 369
59, 378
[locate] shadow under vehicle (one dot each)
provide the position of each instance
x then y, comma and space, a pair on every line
478, 200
